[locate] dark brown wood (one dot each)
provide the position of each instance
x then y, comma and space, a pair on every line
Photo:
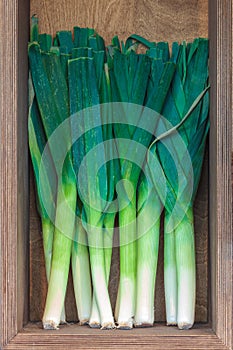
190, 21
22, 168
13, 169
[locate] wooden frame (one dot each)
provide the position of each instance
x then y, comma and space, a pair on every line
14, 203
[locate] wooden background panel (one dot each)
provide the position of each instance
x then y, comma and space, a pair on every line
157, 20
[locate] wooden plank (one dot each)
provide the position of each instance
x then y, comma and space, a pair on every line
159, 337
151, 19
35, 328
79, 343
13, 168
220, 31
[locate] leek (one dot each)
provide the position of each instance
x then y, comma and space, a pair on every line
37, 142
131, 74
129, 91
187, 100
112, 167
93, 186
149, 203
53, 106
148, 228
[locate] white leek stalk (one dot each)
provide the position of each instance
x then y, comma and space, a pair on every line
81, 274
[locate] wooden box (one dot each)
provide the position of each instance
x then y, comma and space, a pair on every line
22, 287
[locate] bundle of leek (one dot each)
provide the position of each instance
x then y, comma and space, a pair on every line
77, 88
49, 64
180, 157
89, 86
149, 205
83, 60
135, 83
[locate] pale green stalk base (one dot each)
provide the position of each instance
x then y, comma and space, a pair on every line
100, 285
186, 271
94, 321
180, 273
148, 248
128, 254
62, 245
58, 281
100, 288
48, 233
108, 238
170, 275
81, 274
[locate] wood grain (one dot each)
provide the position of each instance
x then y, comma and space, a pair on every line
156, 20
13, 169
8, 163
157, 338
221, 238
